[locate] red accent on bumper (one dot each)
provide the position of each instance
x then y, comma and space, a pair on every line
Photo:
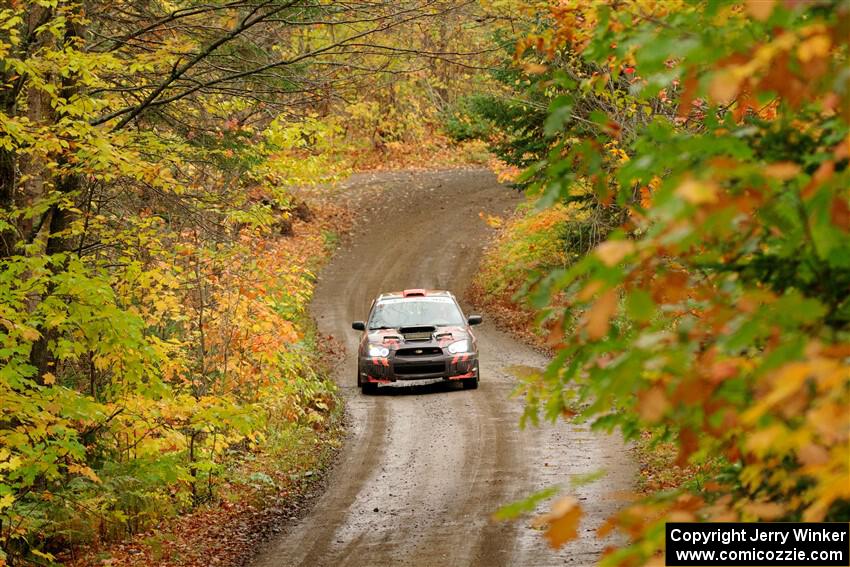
373, 380
462, 376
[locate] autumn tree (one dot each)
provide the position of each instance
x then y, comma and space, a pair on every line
713, 310
152, 307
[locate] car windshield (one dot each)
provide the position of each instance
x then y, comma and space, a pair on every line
407, 312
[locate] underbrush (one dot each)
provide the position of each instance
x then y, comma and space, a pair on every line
259, 490
433, 151
528, 245
232, 412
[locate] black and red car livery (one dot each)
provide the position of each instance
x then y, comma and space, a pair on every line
416, 334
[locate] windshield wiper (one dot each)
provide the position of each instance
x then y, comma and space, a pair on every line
381, 328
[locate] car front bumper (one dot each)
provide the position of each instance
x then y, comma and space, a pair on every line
396, 368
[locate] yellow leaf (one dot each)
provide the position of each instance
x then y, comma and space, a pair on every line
84, 471
28, 333
492, 221
42, 554
759, 442
813, 48
10, 465
790, 379
6, 501
562, 521
48, 378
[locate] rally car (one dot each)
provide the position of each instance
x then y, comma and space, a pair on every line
416, 334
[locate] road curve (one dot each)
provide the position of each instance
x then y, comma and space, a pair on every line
423, 468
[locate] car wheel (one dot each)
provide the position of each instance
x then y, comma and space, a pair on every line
471, 383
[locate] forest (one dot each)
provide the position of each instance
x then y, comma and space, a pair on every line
167, 201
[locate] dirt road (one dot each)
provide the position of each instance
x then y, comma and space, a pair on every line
424, 467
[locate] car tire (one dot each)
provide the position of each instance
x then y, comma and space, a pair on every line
471, 383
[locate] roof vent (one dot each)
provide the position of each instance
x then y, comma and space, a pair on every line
413, 293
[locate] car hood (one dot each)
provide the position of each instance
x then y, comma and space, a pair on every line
418, 336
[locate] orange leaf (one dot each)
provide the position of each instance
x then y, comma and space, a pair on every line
760, 9
612, 251
782, 170
765, 510
840, 214
724, 86
653, 404
599, 317
812, 454
688, 443
556, 333
562, 521
535, 68
689, 92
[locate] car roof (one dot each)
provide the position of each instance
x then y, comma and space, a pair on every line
413, 293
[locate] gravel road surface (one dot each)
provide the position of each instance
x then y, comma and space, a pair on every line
424, 467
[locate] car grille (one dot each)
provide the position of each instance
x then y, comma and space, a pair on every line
421, 368
419, 351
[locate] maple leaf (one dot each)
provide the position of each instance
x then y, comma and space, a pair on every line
612, 251
653, 404
760, 9
6, 501
600, 313
561, 522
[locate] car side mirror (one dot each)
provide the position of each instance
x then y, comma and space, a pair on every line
358, 326
475, 319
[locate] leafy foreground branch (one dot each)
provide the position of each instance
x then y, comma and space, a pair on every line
712, 309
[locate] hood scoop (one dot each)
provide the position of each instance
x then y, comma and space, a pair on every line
419, 333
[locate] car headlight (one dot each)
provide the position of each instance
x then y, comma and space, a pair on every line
460, 346
378, 350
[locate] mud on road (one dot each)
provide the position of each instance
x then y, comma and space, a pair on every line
424, 467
